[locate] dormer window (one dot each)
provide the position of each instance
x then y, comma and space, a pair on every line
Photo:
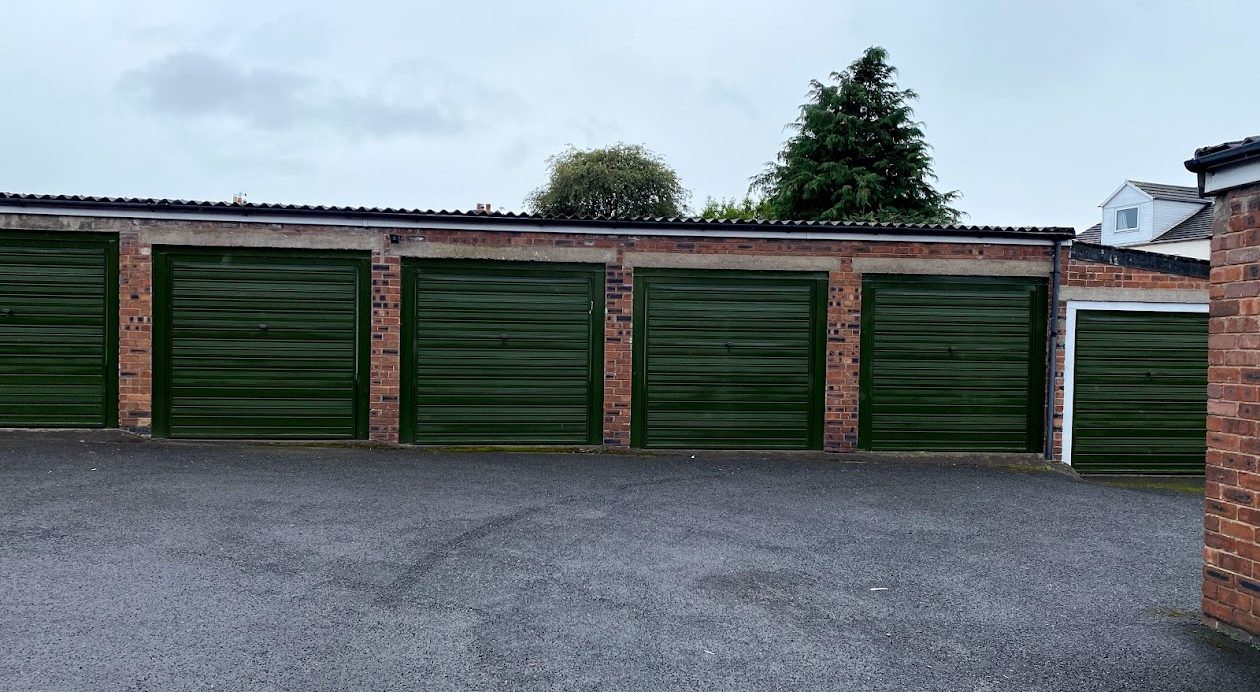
1127, 219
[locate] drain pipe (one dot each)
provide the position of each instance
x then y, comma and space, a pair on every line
1052, 365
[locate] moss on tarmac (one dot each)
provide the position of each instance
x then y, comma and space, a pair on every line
1189, 485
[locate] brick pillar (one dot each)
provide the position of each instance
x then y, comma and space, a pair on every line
385, 345
844, 346
1060, 357
1231, 584
135, 334
618, 351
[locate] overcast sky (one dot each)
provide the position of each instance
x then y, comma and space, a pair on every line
1036, 111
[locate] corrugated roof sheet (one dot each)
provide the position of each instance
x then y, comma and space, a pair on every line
1174, 193
191, 206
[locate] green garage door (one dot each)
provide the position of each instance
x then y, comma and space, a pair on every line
728, 359
502, 353
260, 344
1140, 392
58, 327
952, 363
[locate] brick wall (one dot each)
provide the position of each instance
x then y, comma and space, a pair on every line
618, 351
135, 333
1086, 274
386, 341
839, 257
843, 304
844, 324
1231, 570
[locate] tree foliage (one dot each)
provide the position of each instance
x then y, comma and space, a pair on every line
623, 180
746, 209
857, 154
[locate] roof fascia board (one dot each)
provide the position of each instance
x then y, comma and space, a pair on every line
1118, 190
1239, 173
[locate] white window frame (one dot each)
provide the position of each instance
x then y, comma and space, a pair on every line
1115, 218
1069, 349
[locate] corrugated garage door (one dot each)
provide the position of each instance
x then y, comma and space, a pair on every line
1140, 392
952, 363
728, 359
260, 344
58, 327
502, 352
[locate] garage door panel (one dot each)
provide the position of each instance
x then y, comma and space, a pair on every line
951, 363
1139, 392
58, 326
262, 344
676, 394
504, 353
727, 360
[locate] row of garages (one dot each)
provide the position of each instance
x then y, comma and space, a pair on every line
253, 343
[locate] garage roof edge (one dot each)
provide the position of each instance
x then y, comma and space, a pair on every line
267, 213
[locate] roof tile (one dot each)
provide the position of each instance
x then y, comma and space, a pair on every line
1197, 227
1093, 234
1173, 193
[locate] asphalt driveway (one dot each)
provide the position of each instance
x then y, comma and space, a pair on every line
163, 566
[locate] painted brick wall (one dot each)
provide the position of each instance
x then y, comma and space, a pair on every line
1086, 274
1231, 555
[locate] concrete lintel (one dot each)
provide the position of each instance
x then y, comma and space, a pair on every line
677, 260
1135, 295
264, 237
37, 222
950, 267
513, 253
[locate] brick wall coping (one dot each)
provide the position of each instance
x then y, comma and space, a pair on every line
1140, 259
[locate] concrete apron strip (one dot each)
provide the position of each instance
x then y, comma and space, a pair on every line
950, 267
674, 260
1135, 295
533, 253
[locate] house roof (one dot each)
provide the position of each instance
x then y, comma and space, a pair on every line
508, 219
1197, 227
1172, 193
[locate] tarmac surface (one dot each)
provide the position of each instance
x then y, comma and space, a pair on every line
129, 565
